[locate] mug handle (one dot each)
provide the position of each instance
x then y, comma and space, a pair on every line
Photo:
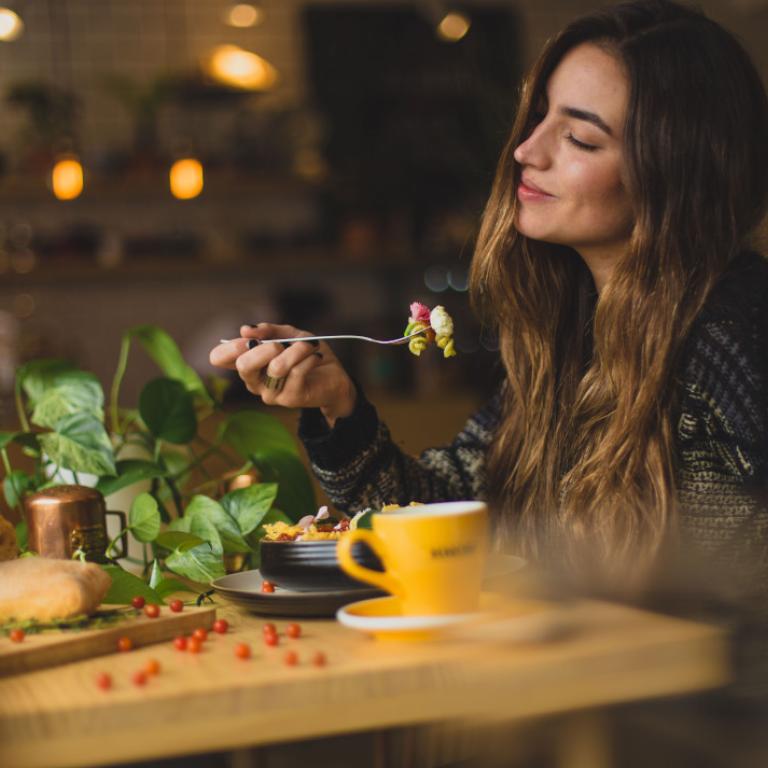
124, 537
353, 568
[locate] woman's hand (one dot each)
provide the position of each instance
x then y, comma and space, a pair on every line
302, 375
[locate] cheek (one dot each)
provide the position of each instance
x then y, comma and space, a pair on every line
600, 190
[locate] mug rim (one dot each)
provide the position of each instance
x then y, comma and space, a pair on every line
436, 509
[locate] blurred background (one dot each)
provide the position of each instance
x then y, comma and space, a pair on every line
199, 164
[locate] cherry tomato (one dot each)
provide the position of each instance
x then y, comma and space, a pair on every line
124, 644
194, 645
180, 643
267, 586
291, 658
271, 638
220, 626
152, 610
16, 635
293, 630
138, 602
152, 667
177, 606
104, 681
201, 634
139, 677
243, 651
269, 627
319, 659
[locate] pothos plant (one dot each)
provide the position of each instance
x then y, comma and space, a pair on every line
184, 529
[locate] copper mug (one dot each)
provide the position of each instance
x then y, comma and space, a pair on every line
67, 518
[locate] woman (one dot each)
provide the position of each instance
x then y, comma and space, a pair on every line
613, 263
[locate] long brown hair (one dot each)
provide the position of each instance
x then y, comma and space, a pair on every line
585, 452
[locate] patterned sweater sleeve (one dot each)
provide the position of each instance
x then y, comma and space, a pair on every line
723, 427
359, 465
723, 478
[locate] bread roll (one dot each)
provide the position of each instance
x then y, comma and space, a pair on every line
45, 589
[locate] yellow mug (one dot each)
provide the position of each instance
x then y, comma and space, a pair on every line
433, 555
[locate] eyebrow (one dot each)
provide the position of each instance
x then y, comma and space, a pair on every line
589, 117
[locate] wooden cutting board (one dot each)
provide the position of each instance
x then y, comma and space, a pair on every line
47, 649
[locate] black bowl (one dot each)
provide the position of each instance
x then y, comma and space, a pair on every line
312, 566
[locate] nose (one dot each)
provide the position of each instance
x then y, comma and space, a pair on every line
533, 151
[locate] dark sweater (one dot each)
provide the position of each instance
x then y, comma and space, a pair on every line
719, 567
721, 433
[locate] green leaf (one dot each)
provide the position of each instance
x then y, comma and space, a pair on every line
249, 432
22, 535
164, 351
180, 524
296, 495
366, 519
73, 392
27, 440
80, 443
155, 576
168, 410
212, 523
170, 586
126, 586
16, 485
144, 518
6, 438
249, 505
199, 564
129, 471
178, 540
30, 443
37, 376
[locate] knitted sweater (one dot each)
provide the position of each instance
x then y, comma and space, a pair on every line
721, 433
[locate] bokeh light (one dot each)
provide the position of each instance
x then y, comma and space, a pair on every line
186, 178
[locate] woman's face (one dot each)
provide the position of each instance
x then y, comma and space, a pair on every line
572, 189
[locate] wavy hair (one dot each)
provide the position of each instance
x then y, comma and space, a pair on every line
585, 452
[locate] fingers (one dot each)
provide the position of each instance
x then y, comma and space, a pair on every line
288, 359
225, 355
296, 391
270, 331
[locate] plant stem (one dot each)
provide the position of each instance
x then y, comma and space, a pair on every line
77, 479
20, 405
216, 447
176, 495
16, 490
198, 462
199, 488
110, 546
114, 395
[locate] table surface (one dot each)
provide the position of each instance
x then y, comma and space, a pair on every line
214, 701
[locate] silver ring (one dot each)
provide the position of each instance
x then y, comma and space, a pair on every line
275, 383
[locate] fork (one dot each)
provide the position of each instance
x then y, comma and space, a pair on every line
399, 340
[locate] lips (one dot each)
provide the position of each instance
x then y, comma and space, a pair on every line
526, 182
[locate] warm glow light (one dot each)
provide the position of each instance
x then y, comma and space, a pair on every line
186, 178
67, 179
238, 68
11, 26
453, 27
244, 15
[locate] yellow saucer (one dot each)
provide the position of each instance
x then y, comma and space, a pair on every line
383, 619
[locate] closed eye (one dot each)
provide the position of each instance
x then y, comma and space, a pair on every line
580, 144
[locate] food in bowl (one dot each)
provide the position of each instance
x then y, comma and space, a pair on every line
302, 556
309, 528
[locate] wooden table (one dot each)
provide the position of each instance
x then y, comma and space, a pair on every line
214, 701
